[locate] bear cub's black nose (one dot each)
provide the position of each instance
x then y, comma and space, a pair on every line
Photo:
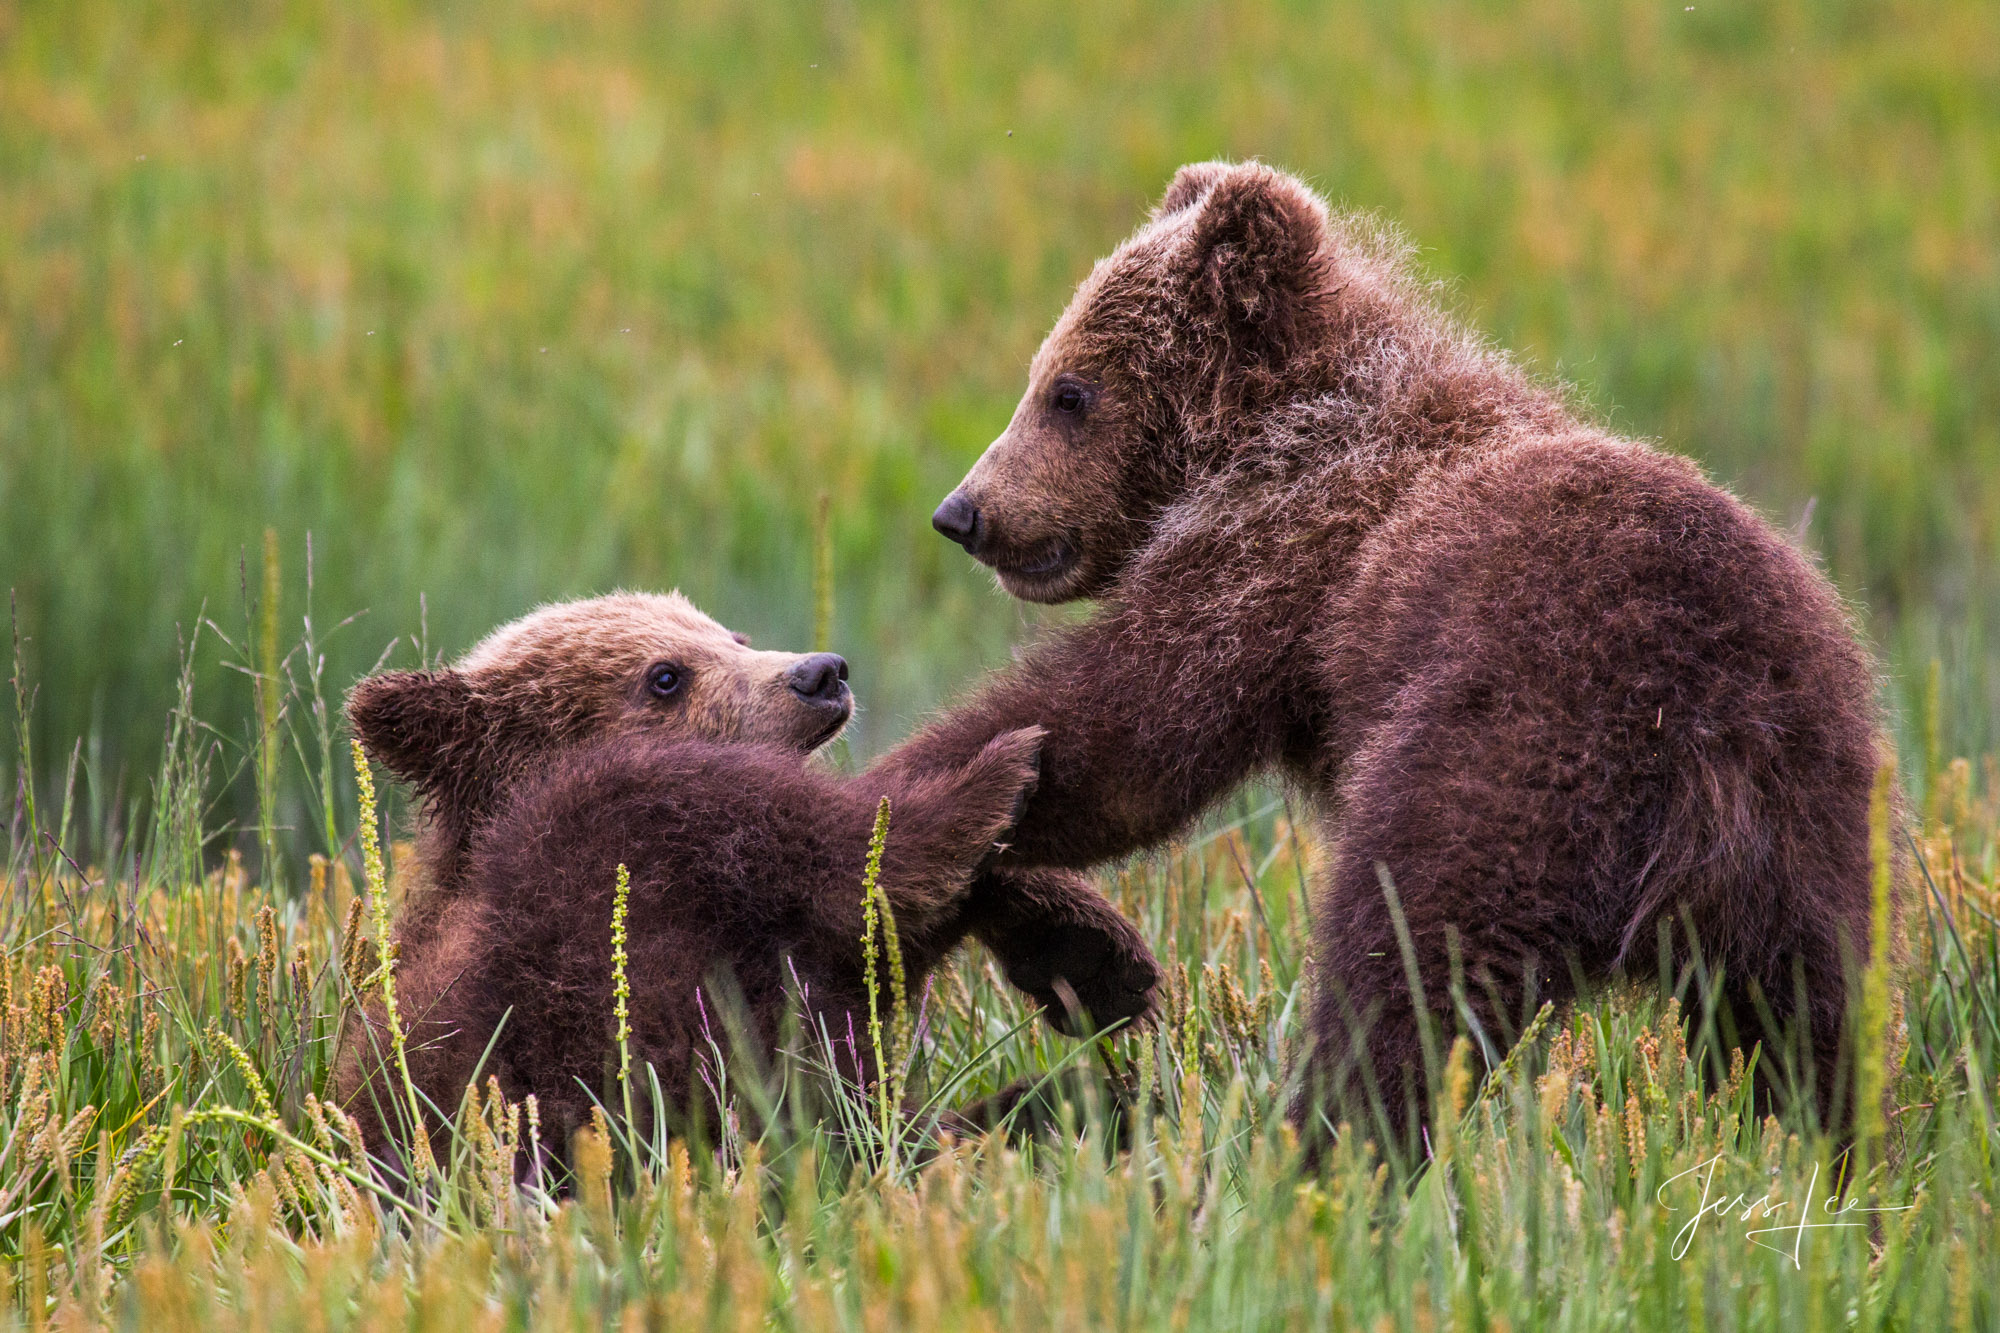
818, 677
958, 519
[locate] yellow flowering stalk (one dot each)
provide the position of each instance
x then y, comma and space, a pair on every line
377, 888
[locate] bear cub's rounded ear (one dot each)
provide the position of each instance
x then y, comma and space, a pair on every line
1254, 250
1190, 183
414, 723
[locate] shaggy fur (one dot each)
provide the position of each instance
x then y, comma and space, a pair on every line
563, 675
1554, 686
547, 756
576, 672
746, 877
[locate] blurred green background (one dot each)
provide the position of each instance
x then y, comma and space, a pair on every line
507, 302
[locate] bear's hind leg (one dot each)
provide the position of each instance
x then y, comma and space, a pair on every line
1468, 886
1797, 1023
1371, 1064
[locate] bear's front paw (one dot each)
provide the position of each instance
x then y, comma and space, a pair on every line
1059, 940
1097, 978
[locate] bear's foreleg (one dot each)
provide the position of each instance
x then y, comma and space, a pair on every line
1143, 732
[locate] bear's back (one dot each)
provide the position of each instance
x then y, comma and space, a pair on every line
1582, 642
1596, 580
686, 818
722, 844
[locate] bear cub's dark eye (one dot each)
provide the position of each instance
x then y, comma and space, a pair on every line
663, 680
1069, 399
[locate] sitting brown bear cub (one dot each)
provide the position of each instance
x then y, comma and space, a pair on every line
633, 729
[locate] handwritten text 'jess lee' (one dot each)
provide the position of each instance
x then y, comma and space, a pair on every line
1761, 1209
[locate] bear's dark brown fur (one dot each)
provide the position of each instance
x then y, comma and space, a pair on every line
1552, 685
551, 753
573, 673
746, 890
565, 675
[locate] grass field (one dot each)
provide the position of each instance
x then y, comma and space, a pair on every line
483, 305
165, 1160
509, 302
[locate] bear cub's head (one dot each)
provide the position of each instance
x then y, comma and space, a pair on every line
639, 664
1188, 325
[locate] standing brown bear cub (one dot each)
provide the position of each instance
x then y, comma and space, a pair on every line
1555, 692
633, 729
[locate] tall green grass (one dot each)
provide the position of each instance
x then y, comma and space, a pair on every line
517, 301
167, 1159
